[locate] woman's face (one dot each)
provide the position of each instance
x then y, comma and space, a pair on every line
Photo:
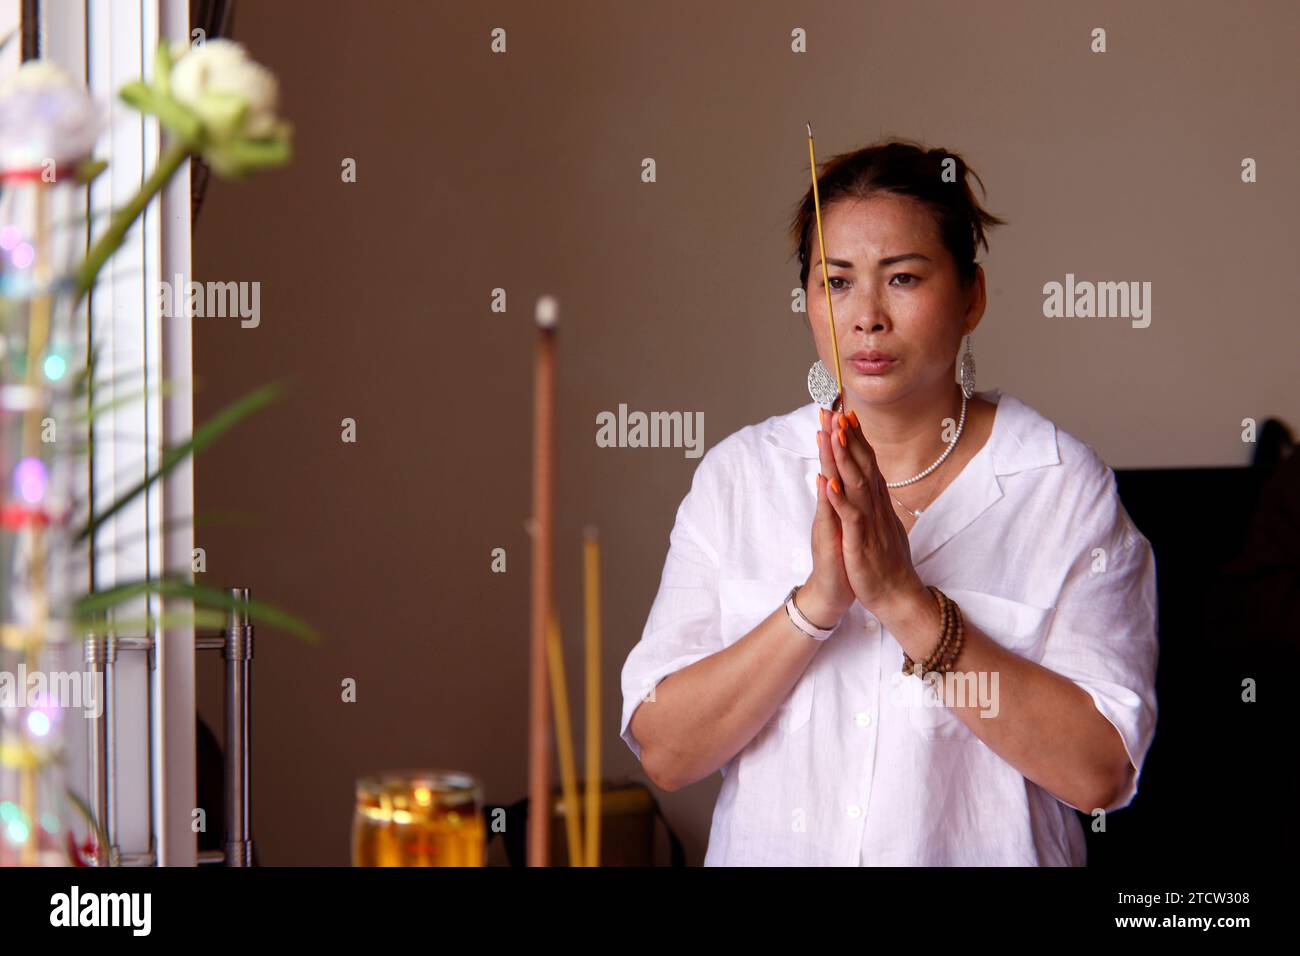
912, 308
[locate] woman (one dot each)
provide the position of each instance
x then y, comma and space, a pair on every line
835, 747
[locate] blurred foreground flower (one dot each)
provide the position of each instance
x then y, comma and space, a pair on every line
220, 103
45, 115
220, 106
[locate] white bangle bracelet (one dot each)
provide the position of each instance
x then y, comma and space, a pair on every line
801, 622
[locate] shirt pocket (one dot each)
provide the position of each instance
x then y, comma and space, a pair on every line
745, 603
928, 717
1019, 627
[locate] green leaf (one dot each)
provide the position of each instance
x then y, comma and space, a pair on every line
88, 169
170, 113
164, 389
88, 606
241, 156
135, 93
146, 625
101, 838
121, 542
205, 435
178, 119
162, 69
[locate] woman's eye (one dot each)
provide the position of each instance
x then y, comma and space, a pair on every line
900, 285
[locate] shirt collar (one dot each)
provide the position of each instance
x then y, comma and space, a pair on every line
1021, 438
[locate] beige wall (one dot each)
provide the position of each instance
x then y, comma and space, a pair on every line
521, 171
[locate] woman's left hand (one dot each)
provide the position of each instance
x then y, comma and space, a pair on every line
877, 554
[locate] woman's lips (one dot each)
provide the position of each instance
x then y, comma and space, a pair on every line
873, 367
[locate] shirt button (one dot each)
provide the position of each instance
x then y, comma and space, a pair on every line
854, 811
871, 626
862, 718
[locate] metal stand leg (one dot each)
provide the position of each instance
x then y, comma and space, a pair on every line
236, 644
100, 657
238, 653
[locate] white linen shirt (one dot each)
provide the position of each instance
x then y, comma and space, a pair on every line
1030, 539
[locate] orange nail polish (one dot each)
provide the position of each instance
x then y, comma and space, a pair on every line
821, 414
835, 483
853, 417
819, 439
844, 443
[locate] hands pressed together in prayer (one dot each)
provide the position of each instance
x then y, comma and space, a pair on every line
860, 548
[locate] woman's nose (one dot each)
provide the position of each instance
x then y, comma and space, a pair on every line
873, 323
869, 315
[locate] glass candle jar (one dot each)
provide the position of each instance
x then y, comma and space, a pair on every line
419, 818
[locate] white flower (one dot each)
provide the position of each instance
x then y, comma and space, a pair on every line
37, 75
46, 115
214, 79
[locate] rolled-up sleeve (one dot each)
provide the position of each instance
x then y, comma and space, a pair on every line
684, 624
1103, 635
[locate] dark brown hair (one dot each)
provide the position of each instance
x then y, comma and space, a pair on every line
902, 167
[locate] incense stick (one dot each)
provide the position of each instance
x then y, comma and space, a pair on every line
539, 741
564, 736
826, 282
595, 786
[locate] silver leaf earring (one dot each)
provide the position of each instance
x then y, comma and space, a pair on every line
821, 385
966, 373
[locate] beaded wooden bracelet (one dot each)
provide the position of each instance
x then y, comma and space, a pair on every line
954, 649
910, 666
945, 632
952, 637
931, 663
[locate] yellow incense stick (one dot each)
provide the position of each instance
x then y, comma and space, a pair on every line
826, 282
591, 592
564, 740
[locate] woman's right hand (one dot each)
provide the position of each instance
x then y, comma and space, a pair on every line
827, 594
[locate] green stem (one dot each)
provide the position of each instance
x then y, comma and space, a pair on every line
111, 240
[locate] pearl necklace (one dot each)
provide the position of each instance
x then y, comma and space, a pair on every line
961, 423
